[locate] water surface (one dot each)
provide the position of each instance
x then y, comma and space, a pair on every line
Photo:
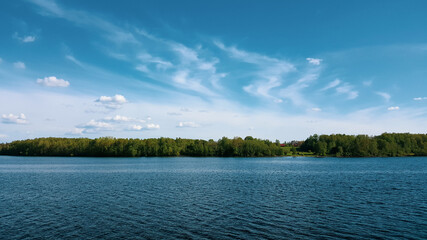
213, 198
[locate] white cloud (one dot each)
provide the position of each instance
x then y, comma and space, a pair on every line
96, 124
157, 61
187, 125
93, 126
76, 131
420, 98
53, 82
393, 108
74, 60
267, 74
136, 127
19, 65
294, 93
153, 126
142, 68
332, 84
186, 54
113, 102
3, 136
14, 119
28, 39
150, 126
25, 39
342, 88
183, 79
118, 118
385, 95
314, 61
348, 90
316, 109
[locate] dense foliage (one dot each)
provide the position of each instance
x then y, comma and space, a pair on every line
384, 145
387, 145
112, 147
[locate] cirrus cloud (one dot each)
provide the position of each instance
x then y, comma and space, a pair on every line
420, 98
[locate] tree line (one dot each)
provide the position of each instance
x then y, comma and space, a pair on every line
339, 145
153, 147
384, 145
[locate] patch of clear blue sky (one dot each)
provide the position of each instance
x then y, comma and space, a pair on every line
370, 46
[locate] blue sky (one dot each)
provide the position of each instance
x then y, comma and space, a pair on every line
206, 69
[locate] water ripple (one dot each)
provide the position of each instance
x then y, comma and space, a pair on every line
188, 198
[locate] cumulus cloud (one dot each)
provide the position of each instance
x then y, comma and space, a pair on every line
187, 125
93, 126
19, 65
119, 118
314, 61
420, 98
153, 126
113, 102
14, 119
96, 124
385, 95
136, 127
150, 126
75, 131
393, 108
53, 82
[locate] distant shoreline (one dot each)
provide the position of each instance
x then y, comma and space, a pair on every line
339, 145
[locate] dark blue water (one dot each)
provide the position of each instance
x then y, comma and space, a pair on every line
213, 198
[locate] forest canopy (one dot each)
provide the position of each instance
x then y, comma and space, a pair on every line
340, 145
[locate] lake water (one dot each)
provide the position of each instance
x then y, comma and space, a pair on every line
213, 198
